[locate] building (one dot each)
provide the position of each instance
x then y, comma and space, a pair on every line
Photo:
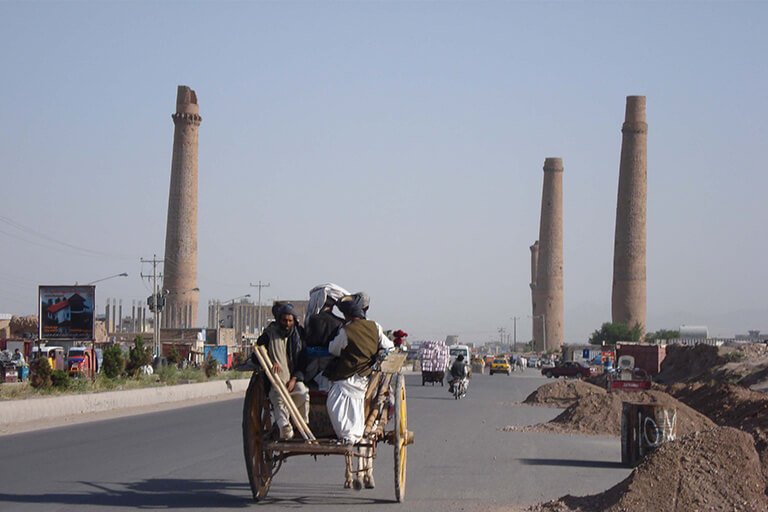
245, 317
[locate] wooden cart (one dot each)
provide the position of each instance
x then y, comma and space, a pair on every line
265, 452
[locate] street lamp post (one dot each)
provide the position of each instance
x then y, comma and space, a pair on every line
123, 274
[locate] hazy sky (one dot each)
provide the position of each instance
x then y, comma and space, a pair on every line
395, 148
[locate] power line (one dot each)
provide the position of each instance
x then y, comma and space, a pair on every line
31, 231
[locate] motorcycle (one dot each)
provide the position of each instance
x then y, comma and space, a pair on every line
459, 388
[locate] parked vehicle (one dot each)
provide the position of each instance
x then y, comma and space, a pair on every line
573, 369
532, 361
81, 361
433, 360
500, 365
55, 356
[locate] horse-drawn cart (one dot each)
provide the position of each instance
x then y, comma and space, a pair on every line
265, 452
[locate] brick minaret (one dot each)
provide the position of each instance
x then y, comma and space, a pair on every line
180, 267
548, 287
628, 301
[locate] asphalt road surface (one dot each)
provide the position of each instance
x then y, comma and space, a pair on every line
191, 459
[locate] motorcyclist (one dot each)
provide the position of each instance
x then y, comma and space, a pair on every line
458, 372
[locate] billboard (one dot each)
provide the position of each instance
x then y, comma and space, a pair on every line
66, 312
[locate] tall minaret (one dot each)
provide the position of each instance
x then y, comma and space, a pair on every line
548, 289
180, 267
628, 302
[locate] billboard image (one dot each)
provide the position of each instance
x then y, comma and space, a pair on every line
66, 312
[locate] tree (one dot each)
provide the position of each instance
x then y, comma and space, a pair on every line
40, 373
173, 355
610, 333
210, 366
114, 361
139, 355
661, 334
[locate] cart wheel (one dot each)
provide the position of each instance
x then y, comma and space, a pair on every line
401, 438
257, 431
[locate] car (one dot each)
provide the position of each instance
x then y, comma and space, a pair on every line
532, 362
574, 369
500, 365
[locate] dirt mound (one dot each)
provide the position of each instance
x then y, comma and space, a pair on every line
562, 393
715, 470
685, 362
732, 406
600, 414
21, 325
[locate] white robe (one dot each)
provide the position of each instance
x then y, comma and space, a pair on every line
346, 398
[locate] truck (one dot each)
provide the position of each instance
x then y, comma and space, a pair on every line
81, 362
647, 356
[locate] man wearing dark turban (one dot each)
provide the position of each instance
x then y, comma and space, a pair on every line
356, 346
286, 350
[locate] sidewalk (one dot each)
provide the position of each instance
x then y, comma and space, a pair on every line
40, 413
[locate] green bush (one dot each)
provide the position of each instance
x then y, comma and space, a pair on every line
114, 362
60, 379
40, 373
139, 355
735, 356
210, 366
173, 355
237, 359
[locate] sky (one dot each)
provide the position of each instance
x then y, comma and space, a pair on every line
390, 147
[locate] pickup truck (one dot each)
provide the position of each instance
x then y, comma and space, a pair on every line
573, 369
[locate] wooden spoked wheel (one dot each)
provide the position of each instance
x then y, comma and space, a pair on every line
400, 437
257, 431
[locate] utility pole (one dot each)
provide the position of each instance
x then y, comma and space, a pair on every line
501, 335
156, 301
514, 330
259, 286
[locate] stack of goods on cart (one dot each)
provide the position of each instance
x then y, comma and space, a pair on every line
433, 356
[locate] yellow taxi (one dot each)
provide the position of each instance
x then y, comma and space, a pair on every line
500, 365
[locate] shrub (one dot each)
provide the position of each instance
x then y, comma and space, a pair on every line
40, 373
237, 359
60, 379
173, 355
735, 356
114, 361
139, 355
210, 366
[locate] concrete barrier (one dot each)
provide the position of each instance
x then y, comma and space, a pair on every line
32, 409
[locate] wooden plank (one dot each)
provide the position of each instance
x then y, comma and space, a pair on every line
311, 448
393, 362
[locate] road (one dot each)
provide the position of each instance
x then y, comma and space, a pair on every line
191, 459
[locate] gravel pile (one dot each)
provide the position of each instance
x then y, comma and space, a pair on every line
715, 470
600, 414
562, 393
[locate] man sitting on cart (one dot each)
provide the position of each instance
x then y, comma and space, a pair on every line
356, 346
286, 349
320, 327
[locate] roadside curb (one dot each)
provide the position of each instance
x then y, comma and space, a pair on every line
35, 409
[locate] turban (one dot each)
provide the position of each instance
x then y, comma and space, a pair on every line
351, 305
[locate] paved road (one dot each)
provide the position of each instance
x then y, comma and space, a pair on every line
191, 459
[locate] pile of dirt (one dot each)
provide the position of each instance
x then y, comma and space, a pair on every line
715, 470
688, 362
21, 325
600, 414
732, 406
562, 393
